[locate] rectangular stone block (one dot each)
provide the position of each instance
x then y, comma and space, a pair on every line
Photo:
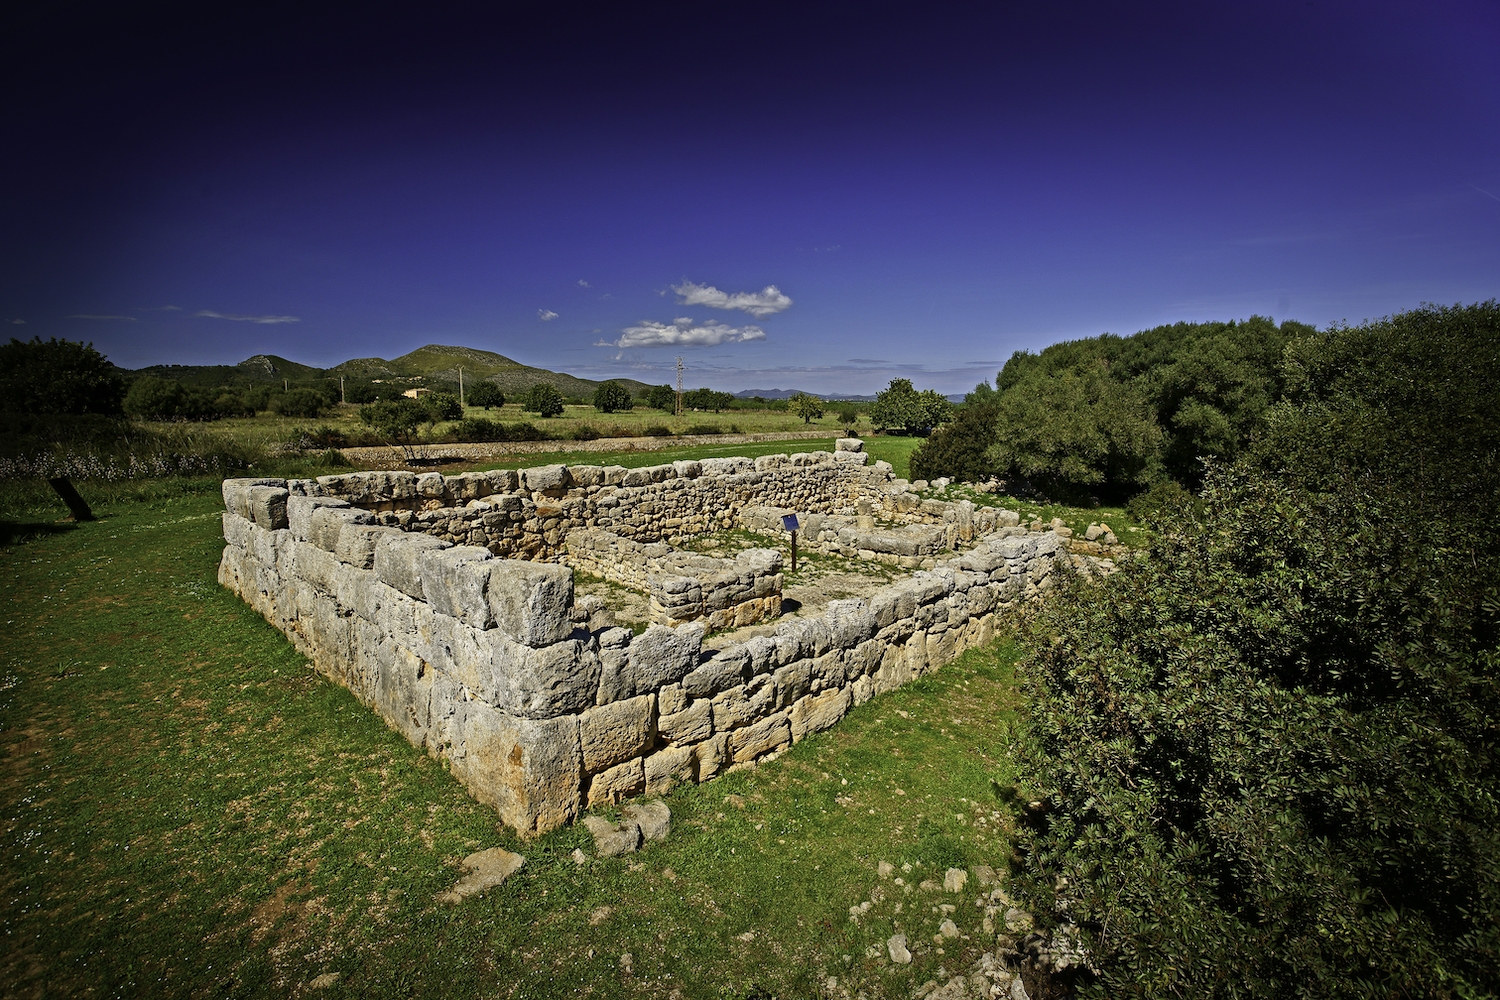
268, 506
299, 512
532, 602
530, 771
546, 477
689, 725
817, 712
667, 768
618, 783
742, 705
356, 543
711, 756
614, 733
536, 683
325, 524
455, 582
661, 656
771, 733
398, 560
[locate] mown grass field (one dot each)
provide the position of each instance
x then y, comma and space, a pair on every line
187, 810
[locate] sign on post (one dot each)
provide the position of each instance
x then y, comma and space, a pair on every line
789, 522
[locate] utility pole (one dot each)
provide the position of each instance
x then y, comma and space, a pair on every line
286, 386
460, 385
679, 385
343, 397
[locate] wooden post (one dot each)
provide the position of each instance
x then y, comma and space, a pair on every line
794, 550
70, 496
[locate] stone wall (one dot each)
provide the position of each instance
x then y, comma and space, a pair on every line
483, 661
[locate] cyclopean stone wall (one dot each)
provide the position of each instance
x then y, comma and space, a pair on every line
486, 662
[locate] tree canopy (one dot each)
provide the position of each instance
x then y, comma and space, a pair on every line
808, 407
543, 399
611, 397
484, 394
901, 407
662, 397
57, 376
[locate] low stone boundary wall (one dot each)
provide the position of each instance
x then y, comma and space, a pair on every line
684, 586
479, 661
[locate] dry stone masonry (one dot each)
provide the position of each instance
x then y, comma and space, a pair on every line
446, 604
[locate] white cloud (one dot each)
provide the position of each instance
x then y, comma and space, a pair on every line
766, 302
18, 322
683, 332
583, 284
546, 315
210, 314
128, 319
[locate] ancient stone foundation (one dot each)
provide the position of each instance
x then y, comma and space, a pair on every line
446, 604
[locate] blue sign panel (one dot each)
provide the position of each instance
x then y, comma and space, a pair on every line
789, 522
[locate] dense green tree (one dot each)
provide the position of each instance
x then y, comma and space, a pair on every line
152, 398
57, 376
611, 397
961, 449
808, 407
898, 406
485, 394
662, 397
1267, 753
442, 406
543, 399
361, 393
848, 415
707, 399
1075, 430
395, 420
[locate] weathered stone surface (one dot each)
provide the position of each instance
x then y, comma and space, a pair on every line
529, 770
617, 732
817, 712
268, 506
849, 622
668, 768
691, 725
663, 655
546, 477
531, 602
896, 947
538, 683
455, 583
768, 734
742, 705
356, 544
654, 818
728, 668
398, 560
325, 524
954, 880
710, 756
617, 783
299, 511
849, 445
483, 870
613, 839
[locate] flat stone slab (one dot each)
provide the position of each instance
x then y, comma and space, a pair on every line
484, 870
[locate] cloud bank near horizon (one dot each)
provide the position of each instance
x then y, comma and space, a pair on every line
210, 314
683, 332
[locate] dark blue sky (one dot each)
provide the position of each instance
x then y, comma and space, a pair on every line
927, 187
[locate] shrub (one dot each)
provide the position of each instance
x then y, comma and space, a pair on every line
587, 433
442, 406
705, 429
657, 430
334, 458
1267, 752
959, 450
662, 397
361, 393
152, 398
300, 403
477, 429
807, 407
611, 397
901, 407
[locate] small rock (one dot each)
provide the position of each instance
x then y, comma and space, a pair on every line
746, 937
600, 915
985, 876
579, 858
654, 819
928, 886
613, 839
899, 953
886, 869
956, 988
485, 870
1018, 990
948, 929
324, 981
627, 963
954, 879
1017, 921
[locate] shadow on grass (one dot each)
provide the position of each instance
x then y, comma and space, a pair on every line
16, 532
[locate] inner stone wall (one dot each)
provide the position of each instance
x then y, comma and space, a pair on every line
481, 659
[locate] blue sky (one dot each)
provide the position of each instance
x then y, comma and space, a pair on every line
787, 196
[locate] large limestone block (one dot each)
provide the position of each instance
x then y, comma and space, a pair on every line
618, 783
688, 469
356, 544
615, 680
729, 667
849, 622
318, 568
668, 768
299, 511
398, 560
324, 524
403, 692
711, 756
532, 602
852, 457
661, 655
532, 682
768, 734
817, 712
236, 529
742, 705
268, 506
689, 725
614, 733
530, 771
546, 477
455, 583
236, 493
792, 682
849, 445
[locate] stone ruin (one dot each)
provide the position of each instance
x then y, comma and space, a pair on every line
446, 604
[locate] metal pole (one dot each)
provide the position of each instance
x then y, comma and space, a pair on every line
794, 550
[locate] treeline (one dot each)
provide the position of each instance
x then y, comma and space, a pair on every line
1111, 415
1267, 757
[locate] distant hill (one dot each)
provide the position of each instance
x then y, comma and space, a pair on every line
789, 393
425, 365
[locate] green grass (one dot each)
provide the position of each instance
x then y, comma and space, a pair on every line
187, 810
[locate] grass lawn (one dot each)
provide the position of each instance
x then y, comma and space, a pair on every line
187, 810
